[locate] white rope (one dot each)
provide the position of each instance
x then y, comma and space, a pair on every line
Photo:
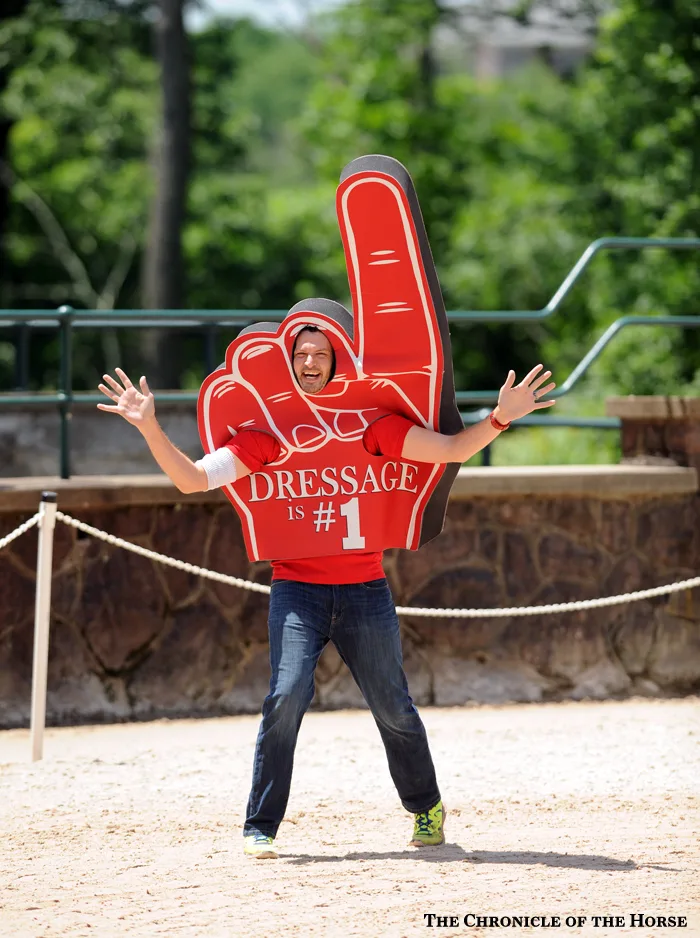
401, 610
552, 607
18, 532
161, 558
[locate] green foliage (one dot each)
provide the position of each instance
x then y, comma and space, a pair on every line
515, 177
640, 101
83, 104
560, 446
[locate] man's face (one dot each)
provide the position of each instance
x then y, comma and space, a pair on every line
313, 360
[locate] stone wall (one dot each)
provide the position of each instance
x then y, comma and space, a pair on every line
132, 639
658, 429
100, 443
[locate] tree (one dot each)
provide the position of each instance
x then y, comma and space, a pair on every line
640, 103
163, 264
82, 103
12, 10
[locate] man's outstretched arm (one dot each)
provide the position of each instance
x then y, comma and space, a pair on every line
138, 408
514, 402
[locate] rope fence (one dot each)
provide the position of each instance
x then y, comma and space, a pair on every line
575, 606
48, 514
18, 532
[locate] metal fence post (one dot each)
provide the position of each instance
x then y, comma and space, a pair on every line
42, 610
66, 387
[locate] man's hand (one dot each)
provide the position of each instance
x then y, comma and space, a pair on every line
139, 409
136, 407
518, 400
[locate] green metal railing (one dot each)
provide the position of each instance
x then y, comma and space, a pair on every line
66, 319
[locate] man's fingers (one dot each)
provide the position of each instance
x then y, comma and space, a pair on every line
113, 384
508, 383
543, 392
125, 378
544, 404
531, 375
106, 391
109, 408
144, 386
541, 379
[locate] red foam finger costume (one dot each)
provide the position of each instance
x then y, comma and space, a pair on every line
331, 482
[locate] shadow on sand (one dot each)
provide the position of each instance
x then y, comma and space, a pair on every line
451, 853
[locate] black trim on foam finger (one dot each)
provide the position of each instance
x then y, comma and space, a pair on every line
335, 311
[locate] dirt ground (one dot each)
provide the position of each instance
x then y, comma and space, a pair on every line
573, 809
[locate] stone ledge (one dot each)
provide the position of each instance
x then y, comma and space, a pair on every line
601, 481
598, 481
651, 407
98, 492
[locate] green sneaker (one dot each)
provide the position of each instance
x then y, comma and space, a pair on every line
428, 828
259, 846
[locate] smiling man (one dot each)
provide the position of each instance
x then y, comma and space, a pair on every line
313, 360
344, 599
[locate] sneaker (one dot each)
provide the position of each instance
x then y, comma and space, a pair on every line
259, 846
428, 828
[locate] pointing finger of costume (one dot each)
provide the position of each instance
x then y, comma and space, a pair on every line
397, 302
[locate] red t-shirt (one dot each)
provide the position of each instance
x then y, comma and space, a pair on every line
384, 437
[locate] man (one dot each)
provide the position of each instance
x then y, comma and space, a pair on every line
343, 599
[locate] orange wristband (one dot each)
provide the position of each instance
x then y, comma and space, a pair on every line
496, 424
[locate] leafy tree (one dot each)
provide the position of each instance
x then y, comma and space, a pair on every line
163, 269
639, 103
82, 102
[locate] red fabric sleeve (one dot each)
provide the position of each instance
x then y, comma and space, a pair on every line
254, 448
385, 437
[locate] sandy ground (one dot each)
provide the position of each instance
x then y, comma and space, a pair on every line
574, 809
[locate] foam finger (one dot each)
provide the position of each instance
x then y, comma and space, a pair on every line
225, 407
393, 282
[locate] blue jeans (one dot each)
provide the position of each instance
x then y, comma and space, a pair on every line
361, 621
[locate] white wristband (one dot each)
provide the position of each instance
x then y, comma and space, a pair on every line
220, 467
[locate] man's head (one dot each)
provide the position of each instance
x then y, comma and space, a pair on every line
313, 360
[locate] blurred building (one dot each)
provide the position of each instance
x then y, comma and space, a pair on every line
560, 34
